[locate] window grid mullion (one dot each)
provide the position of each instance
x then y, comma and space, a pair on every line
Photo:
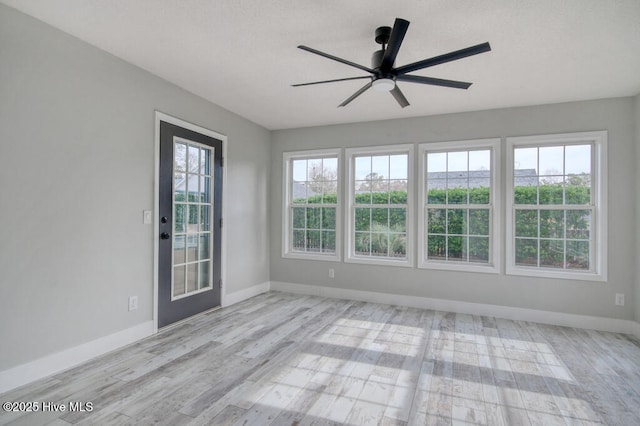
310, 173
593, 142
564, 238
467, 206
538, 234
367, 161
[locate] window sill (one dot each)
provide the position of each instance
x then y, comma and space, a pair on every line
460, 267
379, 261
556, 274
312, 256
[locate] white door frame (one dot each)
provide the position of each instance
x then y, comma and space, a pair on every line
160, 116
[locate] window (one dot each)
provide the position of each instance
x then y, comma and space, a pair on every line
458, 195
311, 196
556, 206
379, 214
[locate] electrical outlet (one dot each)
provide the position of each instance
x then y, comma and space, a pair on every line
133, 303
332, 273
146, 217
619, 299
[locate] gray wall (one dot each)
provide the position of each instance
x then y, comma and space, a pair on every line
569, 296
76, 172
637, 129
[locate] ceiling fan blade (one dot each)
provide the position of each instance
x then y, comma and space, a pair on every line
330, 81
447, 57
335, 58
434, 81
355, 95
398, 32
397, 93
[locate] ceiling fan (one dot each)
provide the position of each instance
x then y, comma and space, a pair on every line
384, 75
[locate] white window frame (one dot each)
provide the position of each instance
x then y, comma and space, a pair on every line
495, 209
287, 161
599, 205
349, 242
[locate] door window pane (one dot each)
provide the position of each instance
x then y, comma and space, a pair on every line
179, 275
179, 249
180, 187
180, 154
204, 274
192, 277
205, 161
203, 247
179, 218
192, 215
193, 159
192, 248
205, 218
193, 218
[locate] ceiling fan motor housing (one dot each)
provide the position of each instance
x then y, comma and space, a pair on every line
382, 35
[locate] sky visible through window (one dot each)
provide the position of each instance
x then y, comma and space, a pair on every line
387, 166
554, 160
456, 161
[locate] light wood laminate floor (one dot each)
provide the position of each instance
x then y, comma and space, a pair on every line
287, 359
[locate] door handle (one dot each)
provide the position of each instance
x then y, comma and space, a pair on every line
165, 236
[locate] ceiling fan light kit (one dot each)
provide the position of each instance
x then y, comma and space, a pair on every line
384, 76
383, 84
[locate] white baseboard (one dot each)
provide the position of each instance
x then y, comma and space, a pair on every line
506, 312
60, 361
63, 360
244, 294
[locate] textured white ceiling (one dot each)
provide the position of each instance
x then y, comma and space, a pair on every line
242, 55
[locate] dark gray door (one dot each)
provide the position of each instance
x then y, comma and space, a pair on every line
190, 203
